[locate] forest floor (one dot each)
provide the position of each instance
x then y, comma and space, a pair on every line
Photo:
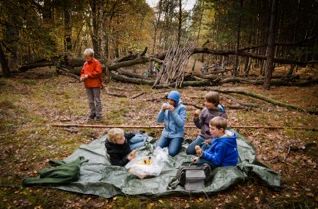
31, 101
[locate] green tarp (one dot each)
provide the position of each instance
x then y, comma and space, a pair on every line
99, 177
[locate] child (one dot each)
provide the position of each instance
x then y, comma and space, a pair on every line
91, 75
212, 109
223, 151
118, 148
173, 115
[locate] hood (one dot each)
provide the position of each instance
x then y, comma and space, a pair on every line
229, 138
221, 108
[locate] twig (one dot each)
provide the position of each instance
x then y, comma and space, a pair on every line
115, 94
137, 95
288, 151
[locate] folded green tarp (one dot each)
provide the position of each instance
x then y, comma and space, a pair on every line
59, 173
99, 177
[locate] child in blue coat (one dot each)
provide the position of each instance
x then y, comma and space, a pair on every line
173, 115
223, 150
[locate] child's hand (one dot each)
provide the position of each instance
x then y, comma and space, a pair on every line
165, 106
195, 159
208, 141
170, 107
132, 155
197, 113
84, 77
198, 150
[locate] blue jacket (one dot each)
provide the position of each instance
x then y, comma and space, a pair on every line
174, 121
223, 150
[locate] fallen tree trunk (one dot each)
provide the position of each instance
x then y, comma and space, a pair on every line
125, 79
160, 127
66, 72
216, 80
27, 67
261, 97
129, 74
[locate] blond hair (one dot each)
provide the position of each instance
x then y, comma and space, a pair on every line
218, 122
115, 134
89, 52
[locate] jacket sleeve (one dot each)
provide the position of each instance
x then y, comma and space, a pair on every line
223, 115
199, 121
97, 71
161, 116
180, 117
82, 71
116, 160
217, 157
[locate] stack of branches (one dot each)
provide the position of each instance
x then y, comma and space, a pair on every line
172, 68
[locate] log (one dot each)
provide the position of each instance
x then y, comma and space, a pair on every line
27, 67
129, 74
125, 79
66, 125
138, 60
261, 97
66, 72
245, 54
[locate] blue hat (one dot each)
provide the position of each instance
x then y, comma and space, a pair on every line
174, 95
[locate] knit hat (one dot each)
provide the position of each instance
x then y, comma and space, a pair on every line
175, 96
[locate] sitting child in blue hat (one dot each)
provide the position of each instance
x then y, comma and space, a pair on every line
173, 115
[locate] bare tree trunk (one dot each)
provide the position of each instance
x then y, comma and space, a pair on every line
97, 7
67, 29
156, 25
270, 47
95, 27
180, 22
4, 62
47, 11
237, 64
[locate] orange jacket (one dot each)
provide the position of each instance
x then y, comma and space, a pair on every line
93, 69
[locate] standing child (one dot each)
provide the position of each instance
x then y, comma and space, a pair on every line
223, 150
91, 74
173, 115
212, 109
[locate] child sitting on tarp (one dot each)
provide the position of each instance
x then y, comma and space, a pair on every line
173, 115
121, 146
201, 120
223, 150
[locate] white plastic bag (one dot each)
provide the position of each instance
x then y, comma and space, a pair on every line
152, 165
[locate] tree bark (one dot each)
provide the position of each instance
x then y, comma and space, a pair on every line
4, 62
179, 22
270, 51
238, 37
67, 29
